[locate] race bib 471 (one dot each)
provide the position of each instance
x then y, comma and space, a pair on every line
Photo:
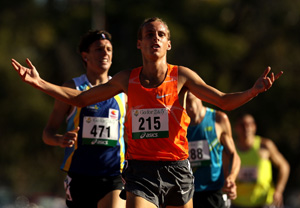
99, 131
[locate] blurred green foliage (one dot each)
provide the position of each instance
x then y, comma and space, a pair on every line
228, 43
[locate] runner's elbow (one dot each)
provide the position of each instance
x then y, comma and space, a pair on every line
225, 106
79, 102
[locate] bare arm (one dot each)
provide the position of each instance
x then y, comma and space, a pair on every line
57, 117
117, 84
283, 167
225, 101
233, 164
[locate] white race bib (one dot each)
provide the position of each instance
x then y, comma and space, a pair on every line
248, 174
150, 123
100, 131
199, 154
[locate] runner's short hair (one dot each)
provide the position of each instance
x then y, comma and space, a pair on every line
149, 20
90, 37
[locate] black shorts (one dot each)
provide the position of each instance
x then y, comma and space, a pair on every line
205, 199
164, 183
85, 191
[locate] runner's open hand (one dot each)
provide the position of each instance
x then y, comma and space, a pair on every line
28, 75
263, 83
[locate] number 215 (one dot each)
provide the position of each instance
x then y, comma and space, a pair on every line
144, 122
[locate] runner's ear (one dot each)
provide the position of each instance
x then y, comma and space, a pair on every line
169, 46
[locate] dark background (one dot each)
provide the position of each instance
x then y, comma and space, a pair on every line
228, 43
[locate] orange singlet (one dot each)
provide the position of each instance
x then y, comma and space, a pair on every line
156, 122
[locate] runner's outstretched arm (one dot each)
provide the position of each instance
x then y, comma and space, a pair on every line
225, 101
68, 95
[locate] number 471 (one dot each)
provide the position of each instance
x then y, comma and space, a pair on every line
98, 131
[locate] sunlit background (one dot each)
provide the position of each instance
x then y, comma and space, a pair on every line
227, 42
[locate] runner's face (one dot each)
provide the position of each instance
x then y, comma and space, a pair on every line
246, 126
100, 55
154, 40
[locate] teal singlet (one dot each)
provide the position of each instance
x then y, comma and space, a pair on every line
205, 154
